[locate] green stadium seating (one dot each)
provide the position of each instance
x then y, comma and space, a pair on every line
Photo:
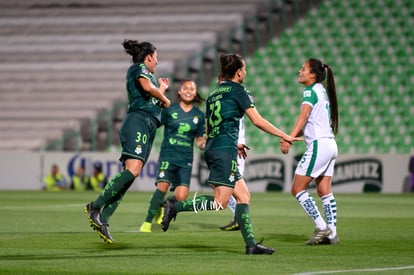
369, 45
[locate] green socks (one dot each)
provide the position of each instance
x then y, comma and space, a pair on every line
115, 189
242, 216
155, 204
108, 210
206, 202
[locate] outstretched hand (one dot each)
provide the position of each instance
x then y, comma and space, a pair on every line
286, 142
285, 146
241, 150
164, 84
291, 139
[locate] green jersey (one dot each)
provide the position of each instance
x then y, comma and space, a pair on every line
139, 99
180, 130
226, 105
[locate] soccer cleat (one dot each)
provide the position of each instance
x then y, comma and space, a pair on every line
93, 216
318, 236
327, 240
259, 249
232, 226
105, 234
334, 240
145, 227
159, 215
169, 214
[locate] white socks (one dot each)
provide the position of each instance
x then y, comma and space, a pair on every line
232, 204
311, 209
329, 208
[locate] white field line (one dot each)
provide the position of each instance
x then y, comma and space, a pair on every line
357, 270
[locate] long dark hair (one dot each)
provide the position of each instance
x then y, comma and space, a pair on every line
322, 71
137, 50
229, 64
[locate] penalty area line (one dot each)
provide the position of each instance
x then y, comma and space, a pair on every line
357, 270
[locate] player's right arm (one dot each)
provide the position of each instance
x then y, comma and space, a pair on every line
297, 129
264, 125
158, 93
301, 120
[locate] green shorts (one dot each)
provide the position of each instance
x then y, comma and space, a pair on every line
175, 175
223, 168
137, 134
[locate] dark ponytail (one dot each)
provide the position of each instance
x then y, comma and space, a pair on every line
323, 71
229, 64
138, 51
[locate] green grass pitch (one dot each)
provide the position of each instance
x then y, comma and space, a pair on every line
48, 233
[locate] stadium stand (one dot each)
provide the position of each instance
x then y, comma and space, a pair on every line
369, 45
62, 65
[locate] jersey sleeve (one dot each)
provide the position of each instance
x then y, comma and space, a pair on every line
141, 71
144, 72
245, 99
310, 97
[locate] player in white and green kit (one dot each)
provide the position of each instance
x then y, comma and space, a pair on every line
183, 123
225, 106
318, 123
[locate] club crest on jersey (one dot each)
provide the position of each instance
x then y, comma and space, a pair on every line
174, 115
195, 120
138, 150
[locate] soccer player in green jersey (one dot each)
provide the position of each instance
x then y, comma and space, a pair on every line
318, 123
146, 98
225, 106
183, 123
241, 156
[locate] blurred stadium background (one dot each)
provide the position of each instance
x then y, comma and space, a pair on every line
62, 65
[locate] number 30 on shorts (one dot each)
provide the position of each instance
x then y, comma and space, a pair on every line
141, 138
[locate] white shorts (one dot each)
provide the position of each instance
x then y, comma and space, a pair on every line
319, 159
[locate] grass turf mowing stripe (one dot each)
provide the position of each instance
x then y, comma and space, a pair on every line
45, 232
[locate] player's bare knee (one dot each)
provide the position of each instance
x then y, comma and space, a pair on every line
134, 172
181, 197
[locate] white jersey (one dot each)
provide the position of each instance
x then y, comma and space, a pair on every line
319, 122
242, 132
